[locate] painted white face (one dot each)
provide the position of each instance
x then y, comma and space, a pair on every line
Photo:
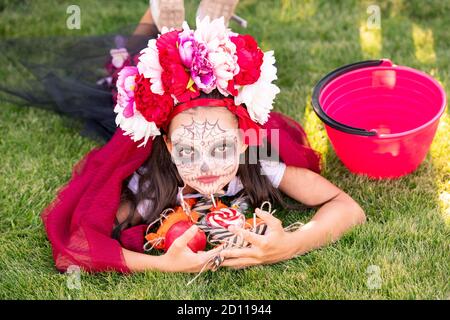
205, 146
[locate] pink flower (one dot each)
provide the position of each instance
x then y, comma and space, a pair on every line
202, 71
125, 90
194, 55
219, 52
186, 44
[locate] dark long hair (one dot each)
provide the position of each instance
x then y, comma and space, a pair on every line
159, 182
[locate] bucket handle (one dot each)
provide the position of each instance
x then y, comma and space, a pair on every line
333, 75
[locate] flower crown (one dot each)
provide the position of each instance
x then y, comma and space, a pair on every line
174, 68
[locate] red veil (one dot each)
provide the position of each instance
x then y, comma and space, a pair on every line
80, 220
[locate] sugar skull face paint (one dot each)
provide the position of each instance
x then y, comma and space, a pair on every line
206, 150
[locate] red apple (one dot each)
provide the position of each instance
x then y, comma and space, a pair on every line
198, 243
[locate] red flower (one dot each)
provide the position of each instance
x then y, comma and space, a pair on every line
175, 78
153, 107
178, 82
250, 59
168, 48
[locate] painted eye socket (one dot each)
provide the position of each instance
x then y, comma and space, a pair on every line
223, 150
185, 153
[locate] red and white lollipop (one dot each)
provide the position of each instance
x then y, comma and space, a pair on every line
225, 217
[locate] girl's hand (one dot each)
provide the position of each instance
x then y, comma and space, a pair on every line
274, 246
180, 258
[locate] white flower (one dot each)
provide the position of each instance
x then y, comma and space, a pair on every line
259, 96
221, 50
224, 61
150, 67
118, 57
137, 127
211, 33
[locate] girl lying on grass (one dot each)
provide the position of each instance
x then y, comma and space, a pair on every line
193, 110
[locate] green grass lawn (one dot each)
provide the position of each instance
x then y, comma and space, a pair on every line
407, 233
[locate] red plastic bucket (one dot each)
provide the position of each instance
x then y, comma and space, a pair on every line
380, 118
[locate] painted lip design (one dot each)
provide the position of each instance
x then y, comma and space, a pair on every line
207, 179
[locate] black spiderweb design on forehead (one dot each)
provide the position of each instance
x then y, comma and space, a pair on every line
202, 130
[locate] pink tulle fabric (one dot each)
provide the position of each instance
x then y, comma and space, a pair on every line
80, 220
